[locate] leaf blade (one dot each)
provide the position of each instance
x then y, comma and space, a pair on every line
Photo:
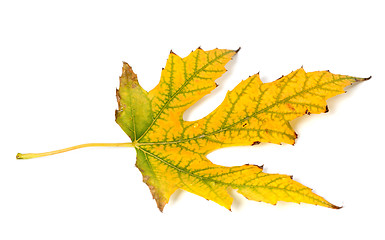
171, 152
212, 182
134, 113
183, 82
261, 112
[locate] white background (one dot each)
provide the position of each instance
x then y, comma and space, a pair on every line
59, 67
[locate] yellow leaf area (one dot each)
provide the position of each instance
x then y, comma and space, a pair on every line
171, 152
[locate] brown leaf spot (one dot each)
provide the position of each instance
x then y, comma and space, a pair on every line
290, 106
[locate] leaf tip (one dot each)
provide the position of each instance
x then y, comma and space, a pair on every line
126, 67
326, 109
366, 79
279, 77
255, 143
236, 51
330, 205
161, 207
336, 207
258, 166
357, 79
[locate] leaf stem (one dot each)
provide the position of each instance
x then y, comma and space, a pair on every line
36, 155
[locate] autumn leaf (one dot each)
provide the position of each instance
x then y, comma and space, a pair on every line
171, 152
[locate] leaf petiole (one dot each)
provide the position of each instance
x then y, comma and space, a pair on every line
36, 155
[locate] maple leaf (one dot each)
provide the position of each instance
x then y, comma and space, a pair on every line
171, 152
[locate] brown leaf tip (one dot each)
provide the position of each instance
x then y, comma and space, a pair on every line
236, 51
326, 109
357, 79
255, 143
279, 77
126, 69
336, 207
258, 166
128, 76
160, 201
126, 66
